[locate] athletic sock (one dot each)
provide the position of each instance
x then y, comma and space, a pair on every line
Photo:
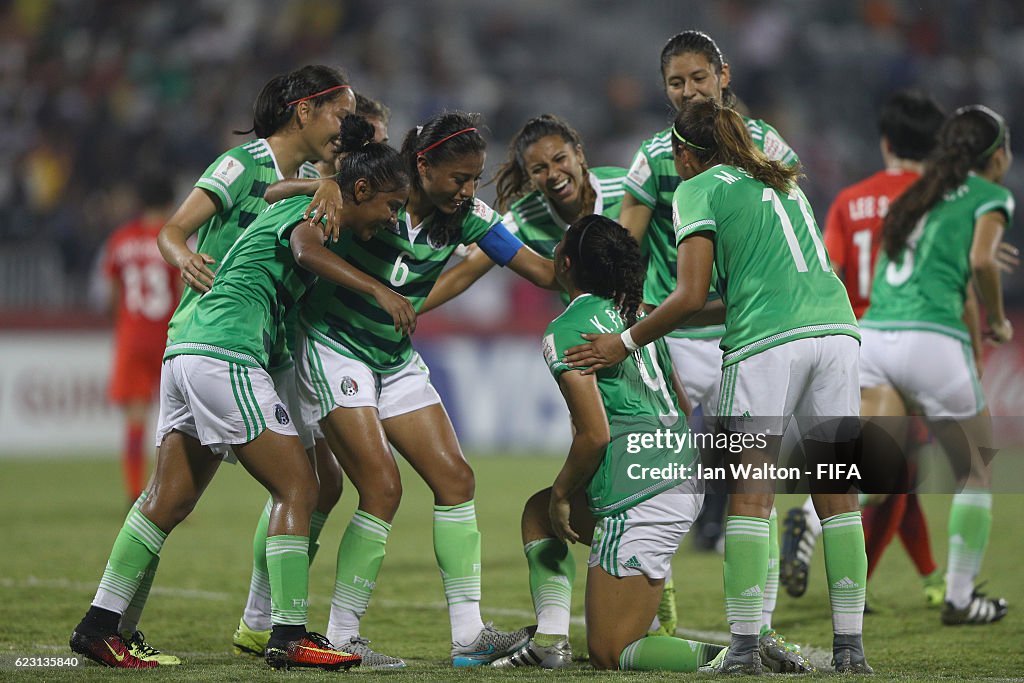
771, 586
667, 654
745, 572
257, 606
846, 566
970, 520
138, 542
552, 572
133, 613
914, 535
360, 555
457, 549
133, 460
288, 568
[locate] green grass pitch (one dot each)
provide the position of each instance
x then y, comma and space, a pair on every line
60, 518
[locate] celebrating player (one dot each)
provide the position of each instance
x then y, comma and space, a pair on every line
217, 395
543, 186
144, 291
939, 238
364, 383
789, 326
640, 522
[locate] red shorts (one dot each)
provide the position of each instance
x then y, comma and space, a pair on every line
135, 374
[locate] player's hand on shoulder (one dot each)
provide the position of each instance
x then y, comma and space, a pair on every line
326, 207
601, 351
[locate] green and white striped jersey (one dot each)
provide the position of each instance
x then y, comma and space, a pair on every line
238, 179
925, 288
638, 397
652, 180
352, 323
773, 272
240, 319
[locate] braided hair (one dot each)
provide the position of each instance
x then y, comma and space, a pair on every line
967, 141
606, 262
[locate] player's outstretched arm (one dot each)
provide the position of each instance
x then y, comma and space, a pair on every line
458, 278
199, 207
635, 217
310, 253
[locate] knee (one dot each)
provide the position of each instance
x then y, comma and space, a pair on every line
459, 484
535, 523
166, 511
381, 496
330, 489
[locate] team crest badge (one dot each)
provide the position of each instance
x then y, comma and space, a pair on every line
281, 414
349, 387
434, 244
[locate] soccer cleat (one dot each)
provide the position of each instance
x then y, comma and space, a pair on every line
490, 645
667, 615
553, 656
980, 610
780, 656
108, 651
726, 662
934, 589
371, 659
797, 549
312, 651
248, 640
848, 655
138, 646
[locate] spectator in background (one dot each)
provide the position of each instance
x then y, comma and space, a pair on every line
144, 291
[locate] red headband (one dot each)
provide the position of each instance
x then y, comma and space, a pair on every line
317, 94
443, 140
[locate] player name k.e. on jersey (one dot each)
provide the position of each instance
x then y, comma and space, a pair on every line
238, 178
924, 289
239, 319
853, 229
638, 398
772, 269
352, 323
653, 180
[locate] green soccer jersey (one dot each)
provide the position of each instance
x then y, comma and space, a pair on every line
652, 180
240, 319
772, 270
638, 398
925, 287
352, 323
238, 179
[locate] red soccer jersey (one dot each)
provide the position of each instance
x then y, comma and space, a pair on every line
853, 230
147, 285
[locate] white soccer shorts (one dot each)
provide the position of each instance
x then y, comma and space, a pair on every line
287, 388
815, 379
219, 403
698, 363
645, 538
933, 371
328, 379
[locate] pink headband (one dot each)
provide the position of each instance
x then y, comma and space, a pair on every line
443, 140
317, 94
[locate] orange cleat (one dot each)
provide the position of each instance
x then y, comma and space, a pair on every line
109, 651
311, 651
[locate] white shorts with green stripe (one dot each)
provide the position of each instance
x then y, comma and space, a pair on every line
219, 403
934, 372
698, 363
644, 538
287, 388
815, 380
328, 379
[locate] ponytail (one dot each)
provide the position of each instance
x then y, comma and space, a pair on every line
381, 166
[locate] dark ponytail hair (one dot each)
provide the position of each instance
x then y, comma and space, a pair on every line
381, 165
699, 43
276, 102
446, 137
513, 180
606, 262
715, 133
967, 140
910, 120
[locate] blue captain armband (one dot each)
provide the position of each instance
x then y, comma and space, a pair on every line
499, 244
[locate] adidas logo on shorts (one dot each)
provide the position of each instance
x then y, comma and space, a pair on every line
632, 563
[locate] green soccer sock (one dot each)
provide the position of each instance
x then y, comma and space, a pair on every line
745, 572
667, 654
846, 566
288, 568
360, 555
552, 572
457, 549
970, 520
133, 613
135, 547
771, 587
257, 605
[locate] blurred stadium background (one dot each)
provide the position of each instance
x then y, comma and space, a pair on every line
94, 93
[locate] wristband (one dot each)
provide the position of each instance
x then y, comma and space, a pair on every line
627, 341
